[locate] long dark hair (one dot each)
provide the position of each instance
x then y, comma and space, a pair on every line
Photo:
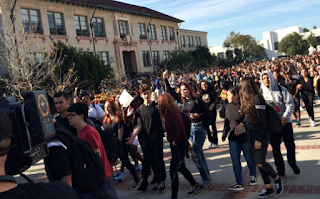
201, 91
193, 95
236, 97
248, 90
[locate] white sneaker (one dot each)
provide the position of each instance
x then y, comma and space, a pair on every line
313, 124
210, 145
215, 146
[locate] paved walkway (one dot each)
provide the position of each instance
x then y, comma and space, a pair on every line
306, 185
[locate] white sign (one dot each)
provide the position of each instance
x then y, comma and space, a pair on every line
125, 99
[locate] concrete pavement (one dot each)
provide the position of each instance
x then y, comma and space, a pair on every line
306, 185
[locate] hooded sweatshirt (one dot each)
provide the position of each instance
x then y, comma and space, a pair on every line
281, 102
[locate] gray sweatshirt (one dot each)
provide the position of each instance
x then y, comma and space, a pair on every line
281, 102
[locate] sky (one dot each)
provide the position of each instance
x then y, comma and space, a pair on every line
220, 17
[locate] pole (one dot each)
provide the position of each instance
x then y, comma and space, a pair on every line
92, 33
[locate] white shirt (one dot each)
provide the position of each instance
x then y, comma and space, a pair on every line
95, 111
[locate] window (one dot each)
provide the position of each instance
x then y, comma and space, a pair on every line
276, 45
81, 25
104, 56
152, 32
31, 20
142, 31
166, 55
56, 23
98, 27
183, 41
146, 58
163, 32
189, 41
155, 57
123, 28
198, 41
221, 55
171, 33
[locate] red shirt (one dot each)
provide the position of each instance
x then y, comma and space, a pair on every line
91, 135
175, 127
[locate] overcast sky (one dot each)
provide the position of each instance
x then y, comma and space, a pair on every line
220, 17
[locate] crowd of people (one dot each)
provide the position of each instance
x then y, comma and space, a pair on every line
184, 108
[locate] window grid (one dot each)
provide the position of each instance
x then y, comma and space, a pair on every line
152, 32
146, 58
31, 20
171, 33
142, 31
81, 25
166, 55
56, 23
104, 56
183, 41
123, 28
163, 32
98, 27
155, 57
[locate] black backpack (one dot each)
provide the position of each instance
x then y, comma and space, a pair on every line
273, 119
187, 124
87, 167
274, 123
112, 144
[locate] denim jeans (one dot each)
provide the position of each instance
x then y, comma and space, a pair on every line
235, 153
106, 191
197, 137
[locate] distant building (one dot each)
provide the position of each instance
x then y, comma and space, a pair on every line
271, 41
191, 39
128, 37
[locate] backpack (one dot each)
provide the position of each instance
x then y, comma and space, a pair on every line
87, 167
111, 143
274, 123
187, 124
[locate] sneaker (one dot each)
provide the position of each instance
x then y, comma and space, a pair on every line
265, 193
279, 187
210, 145
296, 169
162, 187
119, 177
298, 123
194, 189
236, 187
138, 167
136, 184
313, 124
302, 109
143, 186
155, 187
215, 145
253, 180
206, 184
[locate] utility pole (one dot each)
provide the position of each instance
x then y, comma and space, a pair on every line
92, 33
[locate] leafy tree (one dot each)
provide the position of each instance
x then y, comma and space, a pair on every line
293, 44
245, 44
311, 39
314, 27
229, 54
90, 69
203, 57
305, 30
186, 61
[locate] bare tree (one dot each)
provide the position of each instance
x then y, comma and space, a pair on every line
29, 61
